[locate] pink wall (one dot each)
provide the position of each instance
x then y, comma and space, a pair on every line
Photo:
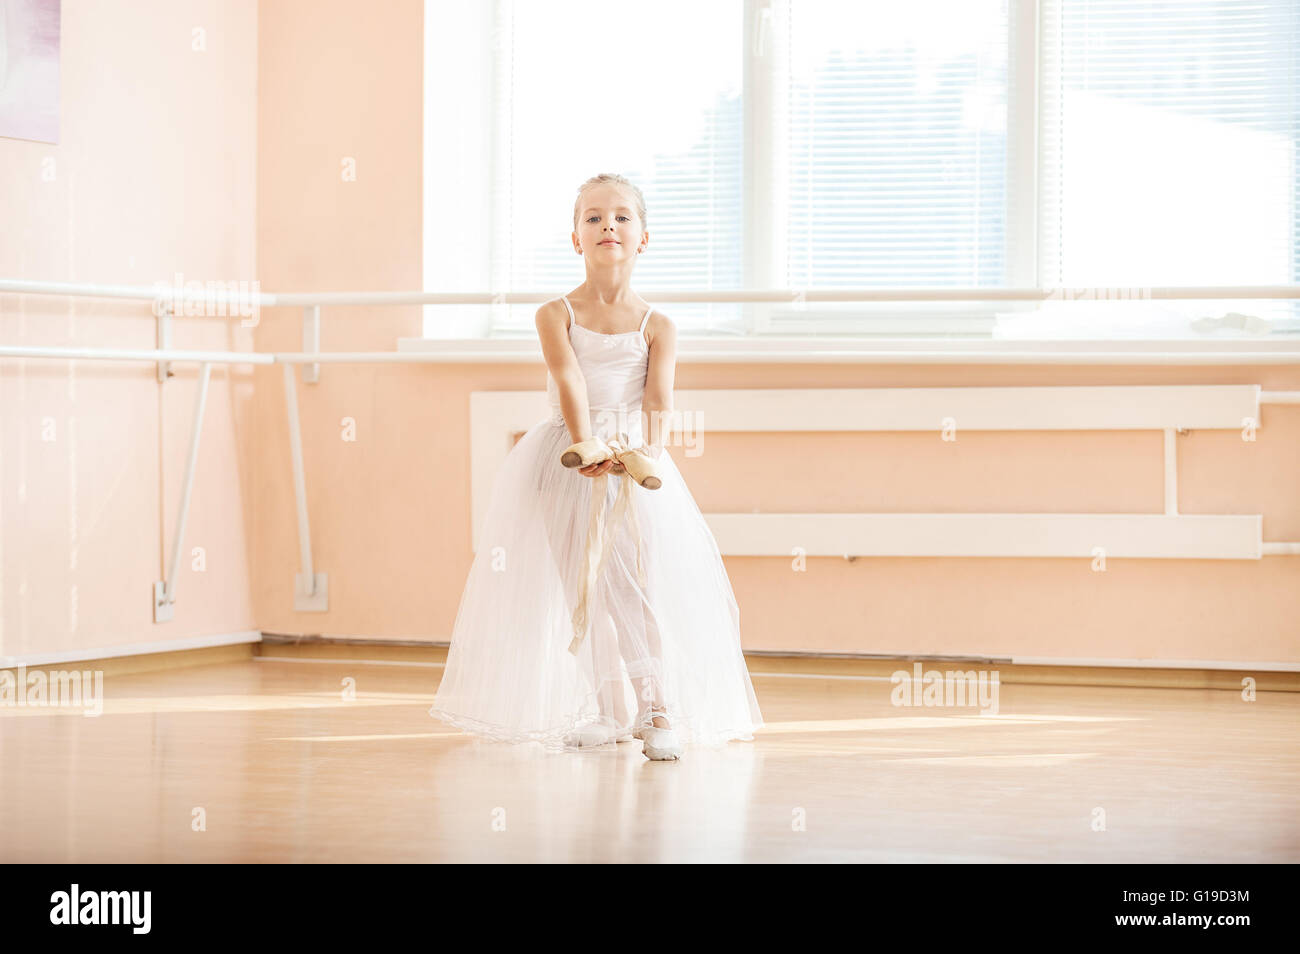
1159, 609
390, 511
154, 174
334, 86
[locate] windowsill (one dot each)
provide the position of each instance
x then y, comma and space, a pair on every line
1262, 349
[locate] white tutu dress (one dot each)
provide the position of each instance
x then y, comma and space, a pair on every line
663, 632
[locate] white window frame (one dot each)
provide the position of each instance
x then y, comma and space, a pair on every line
765, 179
766, 175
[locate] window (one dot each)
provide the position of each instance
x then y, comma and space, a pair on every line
1170, 136
818, 144
574, 88
891, 154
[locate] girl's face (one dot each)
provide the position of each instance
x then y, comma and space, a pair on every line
609, 229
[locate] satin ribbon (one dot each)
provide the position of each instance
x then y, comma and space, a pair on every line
600, 536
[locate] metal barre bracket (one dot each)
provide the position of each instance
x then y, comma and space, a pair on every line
163, 312
311, 342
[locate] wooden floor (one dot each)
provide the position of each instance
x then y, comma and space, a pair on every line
283, 768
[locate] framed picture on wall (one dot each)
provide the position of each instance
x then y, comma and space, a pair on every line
29, 70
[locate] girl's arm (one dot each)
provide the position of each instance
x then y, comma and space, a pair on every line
657, 404
553, 332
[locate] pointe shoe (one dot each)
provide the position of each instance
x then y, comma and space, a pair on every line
660, 745
585, 453
642, 468
640, 465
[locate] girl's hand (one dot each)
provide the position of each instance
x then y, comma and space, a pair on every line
605, 466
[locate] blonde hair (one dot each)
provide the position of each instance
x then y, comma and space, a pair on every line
615, 179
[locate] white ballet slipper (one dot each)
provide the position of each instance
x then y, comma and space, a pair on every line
592, 733
660, 744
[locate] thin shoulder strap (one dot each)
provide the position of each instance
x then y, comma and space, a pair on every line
646, 319
565, 299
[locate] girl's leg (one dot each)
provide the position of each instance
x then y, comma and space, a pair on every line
611, 691
651, 695
639, 639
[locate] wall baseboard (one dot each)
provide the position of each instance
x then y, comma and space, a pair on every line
159, 647
1133, 673
1114, 673
148, 662
1171, 674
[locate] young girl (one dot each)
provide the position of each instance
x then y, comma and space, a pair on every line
596, 610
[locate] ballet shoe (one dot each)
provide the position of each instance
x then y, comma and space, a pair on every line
593, 733
659, 744
585, 453
640, 465
642, 468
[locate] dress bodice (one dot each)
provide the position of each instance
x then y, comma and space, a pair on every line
614, 367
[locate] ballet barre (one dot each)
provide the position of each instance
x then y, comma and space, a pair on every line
850, 535
1170, 409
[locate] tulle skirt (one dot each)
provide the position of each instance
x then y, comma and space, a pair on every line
671, 643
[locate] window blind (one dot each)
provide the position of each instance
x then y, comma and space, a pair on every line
1169, 137
589, 87
896, 152
812, 144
